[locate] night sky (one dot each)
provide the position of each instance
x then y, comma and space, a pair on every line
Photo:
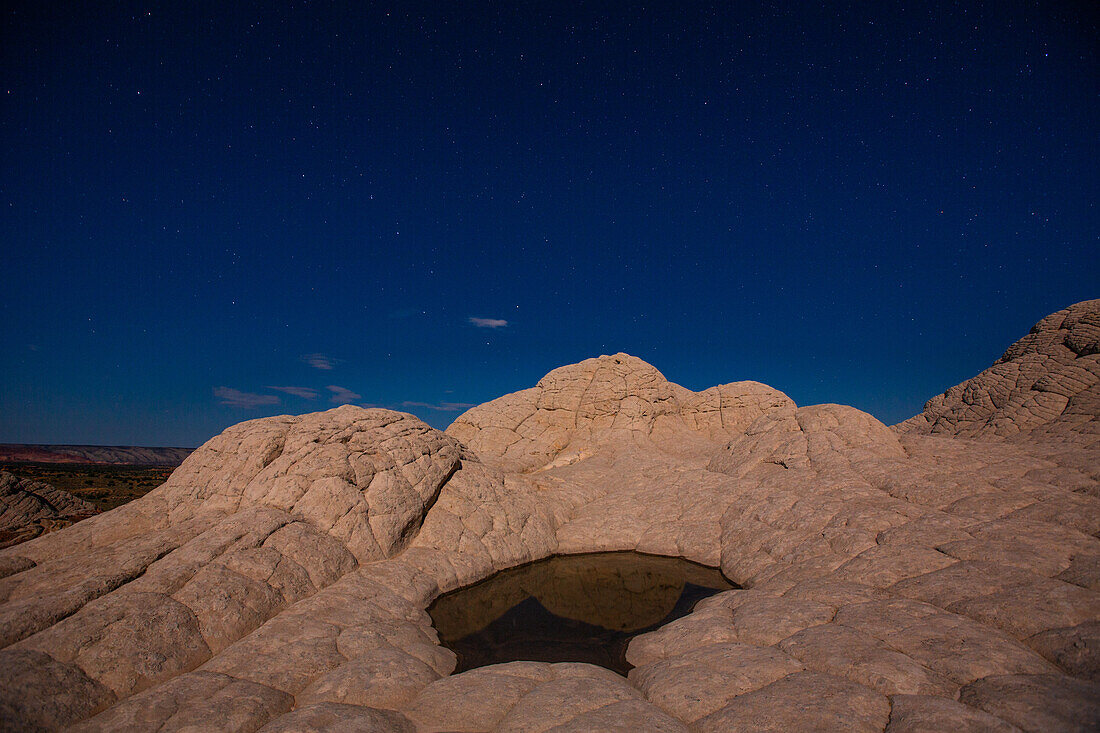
213, 212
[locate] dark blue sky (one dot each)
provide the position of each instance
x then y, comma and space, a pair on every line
204, 202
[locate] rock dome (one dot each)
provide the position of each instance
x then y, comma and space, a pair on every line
940, 575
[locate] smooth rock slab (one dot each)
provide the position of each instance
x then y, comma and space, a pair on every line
704, 679
328, 717
532, 696
929, 714
804, 701
1042, 702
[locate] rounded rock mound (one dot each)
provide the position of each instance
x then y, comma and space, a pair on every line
576, 408
1047, 383
364, 476
261, 518
818, 437
889, 581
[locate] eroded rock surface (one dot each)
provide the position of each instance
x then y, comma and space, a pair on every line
30, 508
942, 575
575, 410
1048, 381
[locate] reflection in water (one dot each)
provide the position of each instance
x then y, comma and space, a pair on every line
575, 608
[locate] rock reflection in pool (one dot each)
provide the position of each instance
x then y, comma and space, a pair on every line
572, 608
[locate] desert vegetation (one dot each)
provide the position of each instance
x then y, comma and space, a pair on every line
106, 487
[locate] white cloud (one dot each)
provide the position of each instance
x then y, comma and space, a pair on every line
488, 322
247, 400
303, 392
440, 406
343, 395
319, 361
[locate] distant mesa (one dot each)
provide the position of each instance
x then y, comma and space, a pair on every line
940, 574
115, 455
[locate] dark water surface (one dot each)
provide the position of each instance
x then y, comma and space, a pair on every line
574, 608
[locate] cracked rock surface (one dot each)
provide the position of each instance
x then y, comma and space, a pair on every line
943, 574
29, 508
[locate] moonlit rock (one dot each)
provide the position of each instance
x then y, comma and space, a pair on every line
29, 508
943, 574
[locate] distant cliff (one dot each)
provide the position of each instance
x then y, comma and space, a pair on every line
127, 455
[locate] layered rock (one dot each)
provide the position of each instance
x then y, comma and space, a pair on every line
115, 455
1048, 383
257, 521
29, 508
575, 410
892, 580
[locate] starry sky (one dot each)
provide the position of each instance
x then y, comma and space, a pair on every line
211, 212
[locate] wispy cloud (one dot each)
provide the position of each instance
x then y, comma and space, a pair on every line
320, 361
488, 322
247, 400
343, 395
440, 406
304, 392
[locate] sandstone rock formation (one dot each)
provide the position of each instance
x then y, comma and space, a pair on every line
1048, 382
575, 410
29, 508
943, 575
